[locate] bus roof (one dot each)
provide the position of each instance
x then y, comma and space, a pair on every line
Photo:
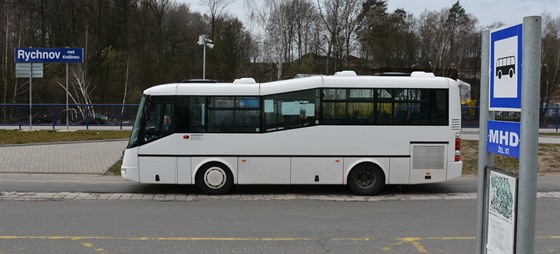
255, 89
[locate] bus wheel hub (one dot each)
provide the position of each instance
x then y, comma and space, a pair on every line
215, 178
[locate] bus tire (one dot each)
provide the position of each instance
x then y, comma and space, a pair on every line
214, 179
366, 179
511, 73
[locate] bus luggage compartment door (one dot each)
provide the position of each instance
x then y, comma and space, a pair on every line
428, 163
317, 170
264, 170
155, 169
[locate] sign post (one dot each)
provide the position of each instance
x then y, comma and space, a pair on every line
47, 55
31, 98
29, 70
510, 79
484, 157
67, 126
528, 159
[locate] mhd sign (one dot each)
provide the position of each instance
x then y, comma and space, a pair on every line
503, 138
49, 55
506, 62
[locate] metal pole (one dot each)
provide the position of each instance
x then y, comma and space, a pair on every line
30, 97
67, 96
122, 115
484, 157
204, 61
557, 113
528, 159
87, 117
53, 120
546, 97
20, 117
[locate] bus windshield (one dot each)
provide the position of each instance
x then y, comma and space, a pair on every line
133, 141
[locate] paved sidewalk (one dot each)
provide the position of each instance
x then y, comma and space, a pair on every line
92, 157
37, 196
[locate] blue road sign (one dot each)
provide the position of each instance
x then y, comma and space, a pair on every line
506, 61
503, 138
49, 55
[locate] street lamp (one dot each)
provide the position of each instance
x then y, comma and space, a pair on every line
204, 41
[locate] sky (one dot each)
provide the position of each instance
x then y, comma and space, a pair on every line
487, 11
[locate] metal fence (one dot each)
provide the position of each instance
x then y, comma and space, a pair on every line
86, 115
549, 117
120, 115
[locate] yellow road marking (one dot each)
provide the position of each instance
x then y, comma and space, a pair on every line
401, 240
79, 238
415, 243
352, 239
549, 237
451, 238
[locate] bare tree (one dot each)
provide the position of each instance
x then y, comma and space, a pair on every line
13, 27
550, 66
270, 17
4, 23
126, 83
80, 91
215, 7
446, 36
341, 20
434, 39
158, 8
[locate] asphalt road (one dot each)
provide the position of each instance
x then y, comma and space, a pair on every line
293, 226
408, 221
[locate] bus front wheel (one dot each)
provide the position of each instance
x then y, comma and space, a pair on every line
366, 179
214, 179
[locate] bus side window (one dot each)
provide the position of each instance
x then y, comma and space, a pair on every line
291, 110
197, 121
439, 109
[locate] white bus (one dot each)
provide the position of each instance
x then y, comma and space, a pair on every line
360, 131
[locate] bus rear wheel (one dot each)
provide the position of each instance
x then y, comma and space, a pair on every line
214, 179
366, 179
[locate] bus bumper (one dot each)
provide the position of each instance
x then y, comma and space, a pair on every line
454, 169
129, 168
